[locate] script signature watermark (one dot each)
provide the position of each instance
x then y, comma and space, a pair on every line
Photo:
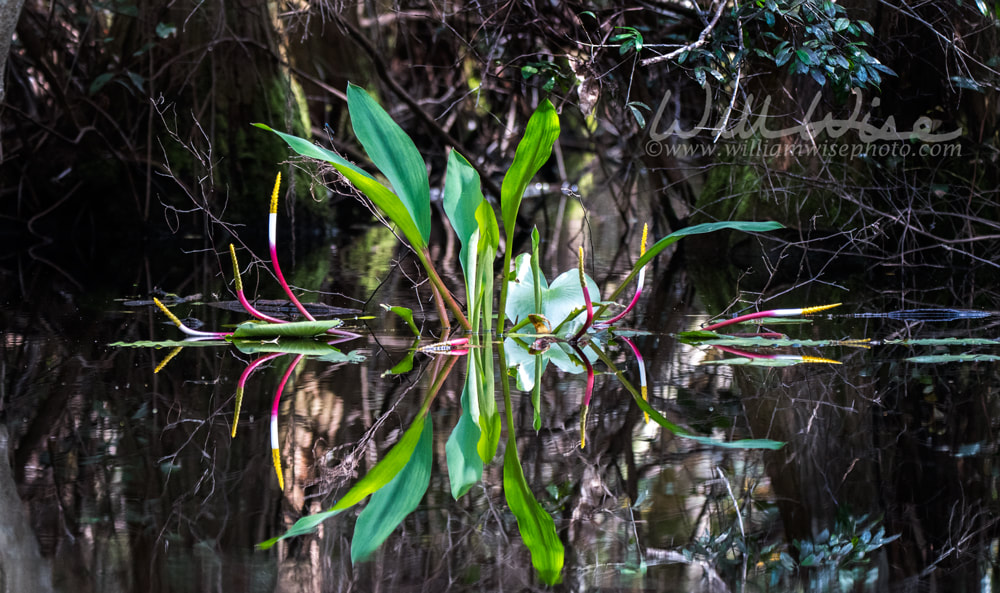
754, 126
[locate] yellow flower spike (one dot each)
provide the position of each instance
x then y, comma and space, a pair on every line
168, 358
170, 315
274, 195
811, 310
645, 233
819, 359
276, 458
236, 268
236, 413
645, 397
583, 426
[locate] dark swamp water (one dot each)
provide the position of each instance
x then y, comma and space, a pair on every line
119, 478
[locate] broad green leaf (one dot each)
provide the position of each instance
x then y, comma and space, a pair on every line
700, 229
532, 152
465, 467
392, 503
559, 300
536, 526
462, 196
380, 475
379, 194
268, 331
524, 363
395, 155
406, 314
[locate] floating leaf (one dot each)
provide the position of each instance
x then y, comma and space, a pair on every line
939, 358
269, 331
169, 343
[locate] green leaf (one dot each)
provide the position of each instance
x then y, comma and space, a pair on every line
392, 503
379, 194
252, 330
463, 196
164, 30
465, 467
639, 117
939, 358
532, 152
488, 241
308, 347
380, 475
98, 83
403, 366
967, 83
395, 155
406, 314
169, 343
536, 526
559, 300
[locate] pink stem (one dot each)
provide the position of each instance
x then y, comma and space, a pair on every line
253, 367
586, 299
281, 386
284, 285
739, 319
253, 311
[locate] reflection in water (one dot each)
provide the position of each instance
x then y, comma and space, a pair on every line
132, 481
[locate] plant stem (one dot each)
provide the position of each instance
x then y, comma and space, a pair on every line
502, 311
442, 311
442, 291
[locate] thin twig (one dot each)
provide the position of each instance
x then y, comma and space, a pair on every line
702, 39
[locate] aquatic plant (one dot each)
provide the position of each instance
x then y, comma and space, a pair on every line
571, 327
405, 201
